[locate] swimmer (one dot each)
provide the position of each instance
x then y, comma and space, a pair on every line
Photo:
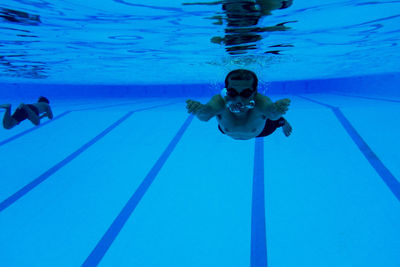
242, 112
266, 6
241, 19
33, 112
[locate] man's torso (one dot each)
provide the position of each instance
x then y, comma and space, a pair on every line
246, 127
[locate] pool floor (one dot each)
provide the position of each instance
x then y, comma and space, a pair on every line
140, 182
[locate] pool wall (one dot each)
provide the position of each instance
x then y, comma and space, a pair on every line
383, 84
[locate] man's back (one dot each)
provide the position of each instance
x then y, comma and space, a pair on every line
43, 107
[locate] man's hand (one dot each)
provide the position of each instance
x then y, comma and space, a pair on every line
282, 105
193, 106
205, 112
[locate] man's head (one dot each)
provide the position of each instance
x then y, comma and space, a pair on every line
43, 99
241, 87
244, 76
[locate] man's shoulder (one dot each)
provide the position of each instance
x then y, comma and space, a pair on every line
262, 99
218, 98
264, 104
217, 102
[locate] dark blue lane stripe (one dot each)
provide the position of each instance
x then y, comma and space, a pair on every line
108, 238
315, 101
258, 232
369, 98
23, 191
33, 128
157, 106
380, 168
109, 106
376, 163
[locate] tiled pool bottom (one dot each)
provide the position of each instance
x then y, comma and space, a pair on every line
139, 182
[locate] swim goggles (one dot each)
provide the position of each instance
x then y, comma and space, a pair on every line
246, 93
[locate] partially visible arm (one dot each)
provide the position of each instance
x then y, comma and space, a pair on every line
49, 113
205, 112
272, 110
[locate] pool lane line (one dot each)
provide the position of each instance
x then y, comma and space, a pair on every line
258, 255
157, 106
33, 128
111, 106
367, 97
119, 222
27, 188
369, 154
316, 102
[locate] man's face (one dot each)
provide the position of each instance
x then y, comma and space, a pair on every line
240, 86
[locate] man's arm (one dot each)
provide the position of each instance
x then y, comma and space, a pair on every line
49, 113
207, 111
272, 110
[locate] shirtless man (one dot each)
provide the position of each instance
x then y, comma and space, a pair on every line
243, 113
27, 111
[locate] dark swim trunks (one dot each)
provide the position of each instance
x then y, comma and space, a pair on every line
20, 114
269, 128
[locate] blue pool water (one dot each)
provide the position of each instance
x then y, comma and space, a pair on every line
124, 176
